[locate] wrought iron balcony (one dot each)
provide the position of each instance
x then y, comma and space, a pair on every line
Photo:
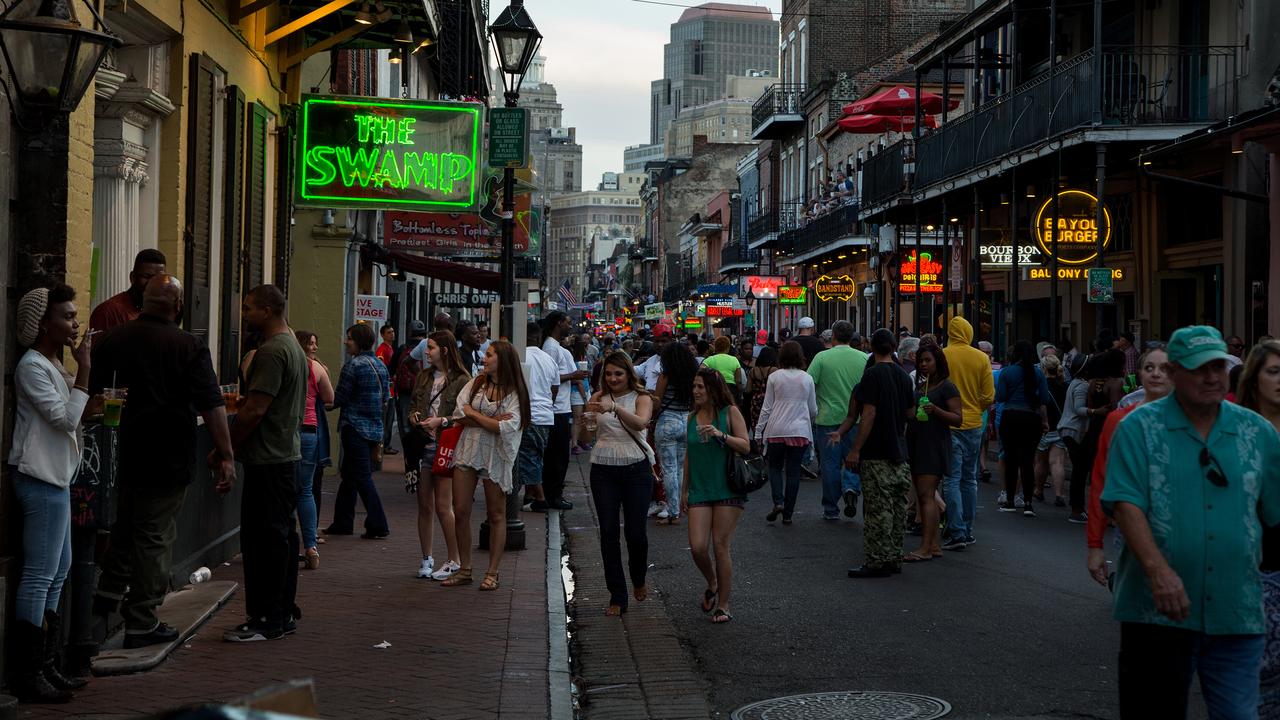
764, 228
735, 257
823, 230
778, 112
884, 174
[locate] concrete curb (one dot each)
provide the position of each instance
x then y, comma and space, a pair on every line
186, 609
560, 687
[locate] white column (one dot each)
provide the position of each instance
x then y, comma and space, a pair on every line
118, 177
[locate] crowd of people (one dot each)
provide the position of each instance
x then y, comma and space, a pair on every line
1170, 447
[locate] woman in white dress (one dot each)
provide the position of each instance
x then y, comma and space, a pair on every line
494, 410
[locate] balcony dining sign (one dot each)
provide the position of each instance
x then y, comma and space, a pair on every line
389, 154
1077, 227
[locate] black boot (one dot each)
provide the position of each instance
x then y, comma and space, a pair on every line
52, 641
29, 682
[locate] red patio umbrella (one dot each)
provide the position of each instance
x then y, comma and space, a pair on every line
873, 124
898, 100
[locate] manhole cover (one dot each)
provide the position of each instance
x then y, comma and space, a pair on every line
852, 705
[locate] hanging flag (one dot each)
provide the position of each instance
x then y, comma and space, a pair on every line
566, 294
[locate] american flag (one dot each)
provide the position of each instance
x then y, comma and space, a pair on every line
567, 295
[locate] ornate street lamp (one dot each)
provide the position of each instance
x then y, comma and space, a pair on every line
516, 40
50, 57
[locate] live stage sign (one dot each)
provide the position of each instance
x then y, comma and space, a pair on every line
394, 154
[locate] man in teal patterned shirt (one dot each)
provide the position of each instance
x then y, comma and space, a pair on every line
1191, 479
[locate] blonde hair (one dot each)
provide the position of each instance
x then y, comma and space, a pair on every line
1051, 365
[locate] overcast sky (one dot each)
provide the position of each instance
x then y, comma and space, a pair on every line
601, 56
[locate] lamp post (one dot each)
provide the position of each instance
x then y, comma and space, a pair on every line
516, 40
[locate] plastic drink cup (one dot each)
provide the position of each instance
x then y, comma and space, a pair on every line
921, 415
231, 396
590, 421
112, 405
200, 575
582, 365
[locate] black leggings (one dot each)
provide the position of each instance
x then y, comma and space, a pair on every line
623, 493
1082, 454
1020, 432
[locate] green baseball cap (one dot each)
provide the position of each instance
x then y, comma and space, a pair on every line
1191, 347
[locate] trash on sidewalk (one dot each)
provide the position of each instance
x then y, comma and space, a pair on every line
383, 645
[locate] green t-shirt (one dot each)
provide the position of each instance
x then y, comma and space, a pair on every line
279, 369
726, 364
835, 372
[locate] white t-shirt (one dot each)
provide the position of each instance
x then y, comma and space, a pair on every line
565, 366
649, 371
540, 375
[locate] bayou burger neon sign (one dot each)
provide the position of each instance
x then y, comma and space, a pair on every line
378, 153
1077, 227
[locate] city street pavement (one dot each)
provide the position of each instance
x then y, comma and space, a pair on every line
1012, 627
454, 652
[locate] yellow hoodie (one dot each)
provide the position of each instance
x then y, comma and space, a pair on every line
970, 371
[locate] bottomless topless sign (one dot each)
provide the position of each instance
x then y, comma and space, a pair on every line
377, 153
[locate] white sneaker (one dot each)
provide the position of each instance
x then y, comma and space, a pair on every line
428, 566
663, 514
446, 571
1003, 499
654, 507
1017, 501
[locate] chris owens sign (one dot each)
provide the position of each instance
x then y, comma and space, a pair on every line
397, 154
1077, 227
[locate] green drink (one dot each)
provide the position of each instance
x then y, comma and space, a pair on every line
112, 406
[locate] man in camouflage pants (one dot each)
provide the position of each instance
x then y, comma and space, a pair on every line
883, 399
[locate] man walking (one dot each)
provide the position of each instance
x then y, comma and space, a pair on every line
971, 373
544, 385
170, 379
1191, 482
809, 341
554, 327
266, 438
883, 398
835, 372
123, 307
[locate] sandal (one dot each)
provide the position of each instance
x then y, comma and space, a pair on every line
915, 557
490, 581
720, 617
641, 593
462, 577
616, 610
708, 600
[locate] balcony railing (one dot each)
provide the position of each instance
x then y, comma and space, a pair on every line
1137, 86
773, 221
823, 230
777, 108
884, 174
735, 255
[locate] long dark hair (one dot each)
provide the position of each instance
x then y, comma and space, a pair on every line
448, 345
717, 390
1024, 354
941, 371
679, 367
510, 379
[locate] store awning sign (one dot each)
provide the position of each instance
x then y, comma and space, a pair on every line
391, 154
763, 287
793, 295
838, 287
1078, 229
930, 271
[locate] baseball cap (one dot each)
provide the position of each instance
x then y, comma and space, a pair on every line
805, 323
417, 328
1191, 347
662, 330
762, 337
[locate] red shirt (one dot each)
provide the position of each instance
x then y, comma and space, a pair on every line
115, 310
385, 352
1096, 526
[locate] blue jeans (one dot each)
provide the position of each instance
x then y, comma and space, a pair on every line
307, 516
46, 546
960, 486
784, 475
835, 479
357, 479
1157, 663
533, 444
670, 434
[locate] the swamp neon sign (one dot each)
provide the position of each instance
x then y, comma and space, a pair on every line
378, 153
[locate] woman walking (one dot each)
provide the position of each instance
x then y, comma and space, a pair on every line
1023, 394
578, 394
787, 412
319, 395
716, 428
44, 459
929, 443
361, 394
675, 397
621, 476
1051, 454
493, 410
435, 398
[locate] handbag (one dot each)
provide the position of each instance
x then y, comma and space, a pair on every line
446, 443
746, 473
653, 467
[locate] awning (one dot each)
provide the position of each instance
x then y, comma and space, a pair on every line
868, 124
443, 270
899, 100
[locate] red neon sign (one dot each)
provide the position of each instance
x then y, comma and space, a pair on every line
930, 274
763, 287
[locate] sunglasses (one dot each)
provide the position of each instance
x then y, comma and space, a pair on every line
1213, 472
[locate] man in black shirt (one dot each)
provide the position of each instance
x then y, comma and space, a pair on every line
884, 397
808, 339
170, 379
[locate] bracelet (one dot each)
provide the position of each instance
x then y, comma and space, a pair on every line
81, 388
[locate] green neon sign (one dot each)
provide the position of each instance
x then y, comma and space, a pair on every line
380, 153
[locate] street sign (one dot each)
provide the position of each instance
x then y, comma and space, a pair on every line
371, 308
1101, 286
508, 137
654, 311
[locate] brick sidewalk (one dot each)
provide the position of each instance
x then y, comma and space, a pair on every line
633, 668
455, 652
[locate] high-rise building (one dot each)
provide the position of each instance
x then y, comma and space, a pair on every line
635, 156
709, 43
582, 221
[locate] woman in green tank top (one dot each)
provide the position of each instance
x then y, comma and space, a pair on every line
716, 428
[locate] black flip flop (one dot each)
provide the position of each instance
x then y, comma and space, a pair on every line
719, 617
708, 600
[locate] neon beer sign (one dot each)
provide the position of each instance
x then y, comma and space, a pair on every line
378, 153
